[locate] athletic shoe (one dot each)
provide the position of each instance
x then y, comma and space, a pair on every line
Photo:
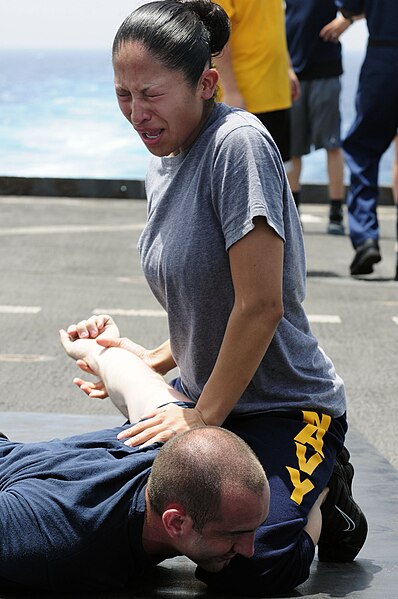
344, 526
335, 227
366, 254
2, 436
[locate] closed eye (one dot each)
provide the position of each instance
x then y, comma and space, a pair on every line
122, 93
154, 95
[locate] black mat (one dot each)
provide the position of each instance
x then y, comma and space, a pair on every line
374, 575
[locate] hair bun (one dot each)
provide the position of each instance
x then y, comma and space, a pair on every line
214, 18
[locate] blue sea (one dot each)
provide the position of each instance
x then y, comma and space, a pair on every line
59, 118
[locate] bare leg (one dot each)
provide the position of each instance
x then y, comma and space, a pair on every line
395, 195
314, 524
335, 162
395, 172
294, 178
294, 174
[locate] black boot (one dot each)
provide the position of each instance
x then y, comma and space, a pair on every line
366, 254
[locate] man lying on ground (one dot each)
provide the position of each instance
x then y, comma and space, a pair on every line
89, 513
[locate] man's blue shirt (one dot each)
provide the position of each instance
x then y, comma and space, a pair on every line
72, 512
381, 17
311, 57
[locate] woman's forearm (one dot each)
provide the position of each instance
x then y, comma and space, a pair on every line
245, 342
256, 268
162, 358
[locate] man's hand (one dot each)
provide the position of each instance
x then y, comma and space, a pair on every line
294, 84
93, 389
96, 327
333, 30
86, 350
103, 329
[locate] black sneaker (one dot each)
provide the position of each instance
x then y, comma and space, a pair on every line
2, 435
344, 526
366, 254
336, 218
335, 226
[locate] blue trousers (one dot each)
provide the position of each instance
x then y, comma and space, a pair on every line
297, 450
370, 135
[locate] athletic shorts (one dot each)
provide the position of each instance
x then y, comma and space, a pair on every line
278, 124
315, 116
297, 450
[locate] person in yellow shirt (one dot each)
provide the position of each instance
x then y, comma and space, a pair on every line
255, 66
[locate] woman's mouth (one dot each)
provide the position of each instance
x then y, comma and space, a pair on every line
151, 136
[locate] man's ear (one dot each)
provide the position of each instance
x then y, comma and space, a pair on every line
208, 83
176, 521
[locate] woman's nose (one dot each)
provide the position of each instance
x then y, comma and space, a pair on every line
138, 113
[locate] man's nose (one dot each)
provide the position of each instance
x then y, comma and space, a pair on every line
245, 545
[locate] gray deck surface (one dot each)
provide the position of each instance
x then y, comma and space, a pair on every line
61, 259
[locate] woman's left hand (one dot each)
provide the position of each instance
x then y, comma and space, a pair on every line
161, 424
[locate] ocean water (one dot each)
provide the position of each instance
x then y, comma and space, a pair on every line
59, 118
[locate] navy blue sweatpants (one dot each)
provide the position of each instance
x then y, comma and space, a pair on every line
373, 130
298, 450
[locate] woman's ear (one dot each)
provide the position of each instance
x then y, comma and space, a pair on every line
208, 83
176, 521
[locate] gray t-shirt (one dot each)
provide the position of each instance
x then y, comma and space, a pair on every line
200, 202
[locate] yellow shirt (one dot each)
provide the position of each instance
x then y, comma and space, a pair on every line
259, 53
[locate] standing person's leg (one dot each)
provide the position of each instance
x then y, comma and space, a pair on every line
370, 135
395, 195
278, 124
325, 119
335, 162
294, 179
299, 139
395, 172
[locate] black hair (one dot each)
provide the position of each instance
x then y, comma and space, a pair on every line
183, 35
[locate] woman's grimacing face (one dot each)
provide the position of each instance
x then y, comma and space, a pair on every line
165, 110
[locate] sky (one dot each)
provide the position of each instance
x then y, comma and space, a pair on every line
86, 23
60, 23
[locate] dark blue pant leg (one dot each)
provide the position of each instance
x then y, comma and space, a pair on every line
370, 135
298, 457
